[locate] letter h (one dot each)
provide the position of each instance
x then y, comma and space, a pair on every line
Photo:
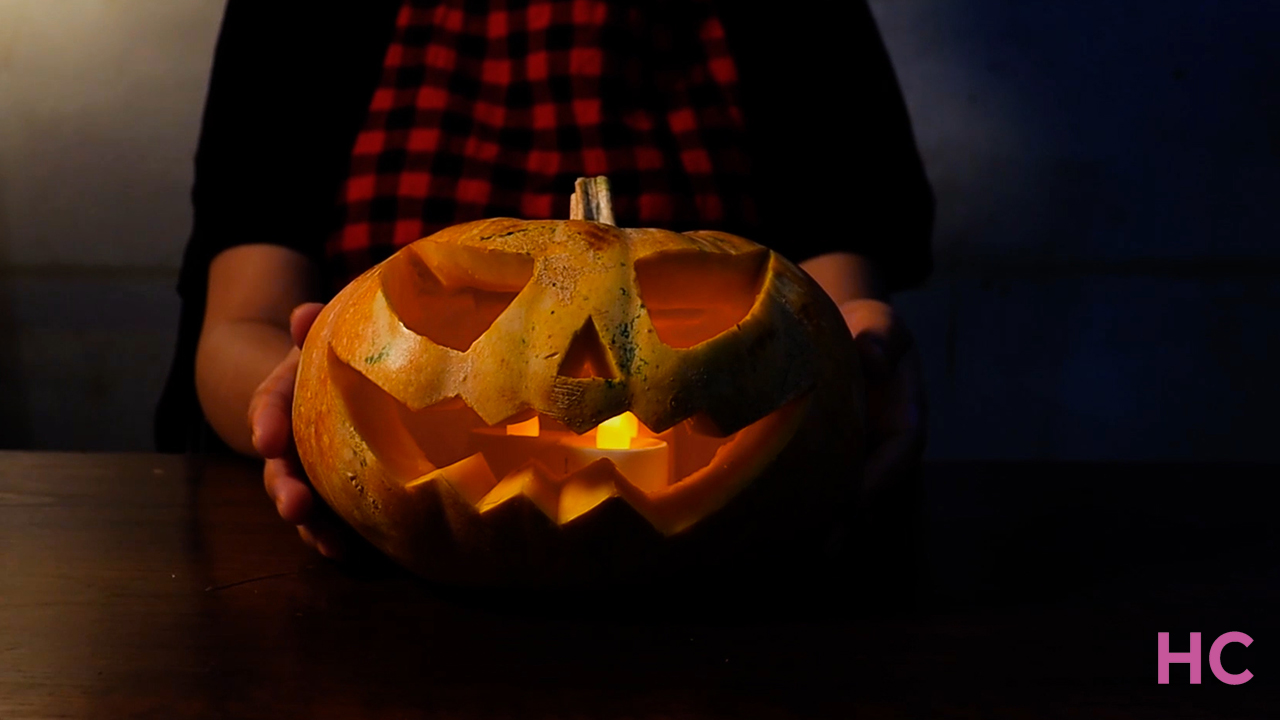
1164, 658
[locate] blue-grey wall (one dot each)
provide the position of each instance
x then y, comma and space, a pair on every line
1107, 177
100, 106
1108, 237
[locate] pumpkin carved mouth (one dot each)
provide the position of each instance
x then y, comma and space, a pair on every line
671, 478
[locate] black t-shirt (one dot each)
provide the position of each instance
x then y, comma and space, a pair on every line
834, 161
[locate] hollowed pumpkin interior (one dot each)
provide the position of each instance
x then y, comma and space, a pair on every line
693, 296
451, 294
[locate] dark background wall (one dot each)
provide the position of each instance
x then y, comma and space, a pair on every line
1107, 177
1108, 236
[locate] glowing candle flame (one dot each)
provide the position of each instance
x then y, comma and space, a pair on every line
528, 428
616, 432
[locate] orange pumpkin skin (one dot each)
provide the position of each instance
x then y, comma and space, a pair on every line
490, 313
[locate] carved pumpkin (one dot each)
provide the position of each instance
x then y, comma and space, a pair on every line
551, 402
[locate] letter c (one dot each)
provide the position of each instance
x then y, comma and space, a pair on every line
1215, 658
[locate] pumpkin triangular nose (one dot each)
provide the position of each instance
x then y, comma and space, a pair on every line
587, 357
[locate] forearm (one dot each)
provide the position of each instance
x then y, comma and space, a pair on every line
846, 276
233, 358
252, 291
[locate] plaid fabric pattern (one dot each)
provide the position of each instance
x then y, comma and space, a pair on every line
490, 109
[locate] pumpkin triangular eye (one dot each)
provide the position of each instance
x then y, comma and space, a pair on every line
587, 356
693, 296
451, 294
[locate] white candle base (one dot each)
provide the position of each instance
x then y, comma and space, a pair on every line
646, 464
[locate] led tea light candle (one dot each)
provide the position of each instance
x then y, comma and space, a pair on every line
644, 461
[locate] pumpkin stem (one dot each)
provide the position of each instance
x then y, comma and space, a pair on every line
591, 200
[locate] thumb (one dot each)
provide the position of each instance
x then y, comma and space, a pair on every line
881, 337
301, 320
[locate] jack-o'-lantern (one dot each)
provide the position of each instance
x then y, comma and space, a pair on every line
552, 402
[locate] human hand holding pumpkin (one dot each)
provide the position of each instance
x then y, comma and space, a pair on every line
270, 417
896, 403
895, 396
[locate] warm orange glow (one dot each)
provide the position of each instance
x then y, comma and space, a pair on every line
528, 428
616, 432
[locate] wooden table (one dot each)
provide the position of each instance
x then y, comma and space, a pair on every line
149, 586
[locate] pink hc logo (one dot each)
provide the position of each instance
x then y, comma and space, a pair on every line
1164, 658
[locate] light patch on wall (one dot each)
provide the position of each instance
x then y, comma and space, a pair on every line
102, 105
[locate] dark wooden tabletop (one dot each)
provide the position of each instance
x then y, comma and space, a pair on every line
149, 586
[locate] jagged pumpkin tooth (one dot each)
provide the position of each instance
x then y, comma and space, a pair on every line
585, 489
470, 477
530, 481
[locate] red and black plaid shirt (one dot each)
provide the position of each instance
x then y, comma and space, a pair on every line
494, 108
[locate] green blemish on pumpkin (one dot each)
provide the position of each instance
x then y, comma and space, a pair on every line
378, 357
637, 369
626, 349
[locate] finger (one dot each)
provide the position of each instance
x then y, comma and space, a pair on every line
307, 536
326, 536
293, 497
301, 320
877, 328
271, 409
297, 504
328, 540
